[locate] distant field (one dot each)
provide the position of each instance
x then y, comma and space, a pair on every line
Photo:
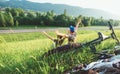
27, 27
23, 29
22, 53
43, 27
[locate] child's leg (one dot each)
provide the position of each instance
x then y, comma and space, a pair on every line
61, 34
48, 36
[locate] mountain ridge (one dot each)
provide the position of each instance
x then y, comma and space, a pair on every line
59, 9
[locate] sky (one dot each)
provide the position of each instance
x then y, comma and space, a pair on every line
112, 6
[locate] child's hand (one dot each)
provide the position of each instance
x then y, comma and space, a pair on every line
79, 20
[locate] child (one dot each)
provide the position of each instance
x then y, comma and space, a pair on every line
58, 41
71, 33
61, 37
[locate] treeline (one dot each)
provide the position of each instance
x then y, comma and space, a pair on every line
17, 17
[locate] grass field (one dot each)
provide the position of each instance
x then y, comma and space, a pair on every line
22, 53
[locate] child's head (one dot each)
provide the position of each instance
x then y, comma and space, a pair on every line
72, 29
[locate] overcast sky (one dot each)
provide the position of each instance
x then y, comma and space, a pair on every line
112, 6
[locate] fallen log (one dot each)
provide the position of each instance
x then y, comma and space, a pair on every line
63, 48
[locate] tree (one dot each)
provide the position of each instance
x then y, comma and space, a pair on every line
2, 20
92, 21
86, 21
38, 19
30, 14
65, 12
9, 19
11, 22
21, 12
61, 20
7, 10
16, 23
14, 12
49, 18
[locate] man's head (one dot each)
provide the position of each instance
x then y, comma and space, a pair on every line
72, 29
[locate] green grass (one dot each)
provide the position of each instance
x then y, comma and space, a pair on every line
22, 53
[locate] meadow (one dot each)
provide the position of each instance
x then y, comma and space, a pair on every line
22, 53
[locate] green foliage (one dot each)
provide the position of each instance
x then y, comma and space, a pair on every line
7, 10
86, 21
6, 19
2, 20
21, 12
48, 19
11, 19
16, 23
58, 8
14, 12
12, 16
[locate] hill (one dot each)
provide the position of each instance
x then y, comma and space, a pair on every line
57, 8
